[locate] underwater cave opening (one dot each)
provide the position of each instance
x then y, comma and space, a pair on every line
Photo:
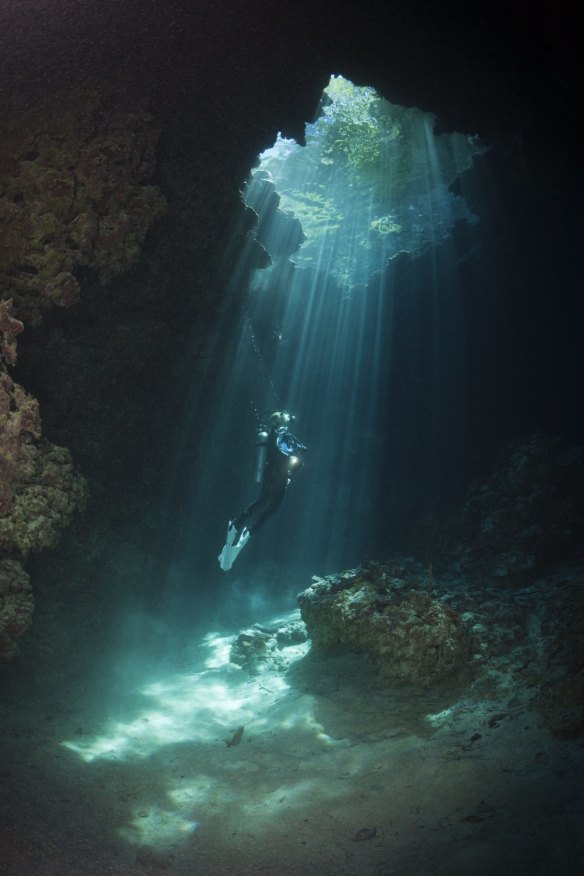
357, 326
353, 322
353, 326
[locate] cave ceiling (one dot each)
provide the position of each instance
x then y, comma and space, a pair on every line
480, 68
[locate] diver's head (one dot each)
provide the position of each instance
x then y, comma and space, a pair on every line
280, 418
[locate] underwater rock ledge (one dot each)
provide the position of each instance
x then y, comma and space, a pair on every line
389, 613
520, 645
514, 648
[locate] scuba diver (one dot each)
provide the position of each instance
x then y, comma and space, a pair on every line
278, 454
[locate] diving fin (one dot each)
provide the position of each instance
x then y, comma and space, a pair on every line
232, 548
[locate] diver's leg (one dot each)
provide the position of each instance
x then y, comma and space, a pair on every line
241, 519
273, 500
255, 508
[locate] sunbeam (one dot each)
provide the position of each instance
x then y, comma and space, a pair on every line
372, 182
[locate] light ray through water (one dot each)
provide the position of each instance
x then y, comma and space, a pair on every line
372, 183
352, 326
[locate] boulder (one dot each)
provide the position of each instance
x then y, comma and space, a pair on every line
389, 614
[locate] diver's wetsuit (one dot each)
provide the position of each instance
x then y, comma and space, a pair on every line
283, 449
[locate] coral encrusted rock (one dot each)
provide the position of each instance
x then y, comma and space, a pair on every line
46, 492
75, 194
39, 487
9, 329
268, 648
389, 615
19, 417
16, 606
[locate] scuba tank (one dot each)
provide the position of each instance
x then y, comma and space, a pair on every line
261, 452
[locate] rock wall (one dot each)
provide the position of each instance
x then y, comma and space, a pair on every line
73, 196
75, 202
39, 490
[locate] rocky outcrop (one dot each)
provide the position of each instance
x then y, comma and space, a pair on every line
46, 490
388, 613
268, 648
522, 644
74, 195
16, 605
39, 489
75, 202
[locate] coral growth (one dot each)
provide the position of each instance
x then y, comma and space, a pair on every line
388, 614
46, 491
74, 197
39, 489
9, 329
74, 194
16, 605
19, 416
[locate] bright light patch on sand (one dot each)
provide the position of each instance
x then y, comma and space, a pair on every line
219, 646
440, 717
202, 710
219, 752
205, 706
156, 826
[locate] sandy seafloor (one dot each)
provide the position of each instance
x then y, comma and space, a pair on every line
131, 773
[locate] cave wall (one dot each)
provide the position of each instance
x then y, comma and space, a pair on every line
127, 136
